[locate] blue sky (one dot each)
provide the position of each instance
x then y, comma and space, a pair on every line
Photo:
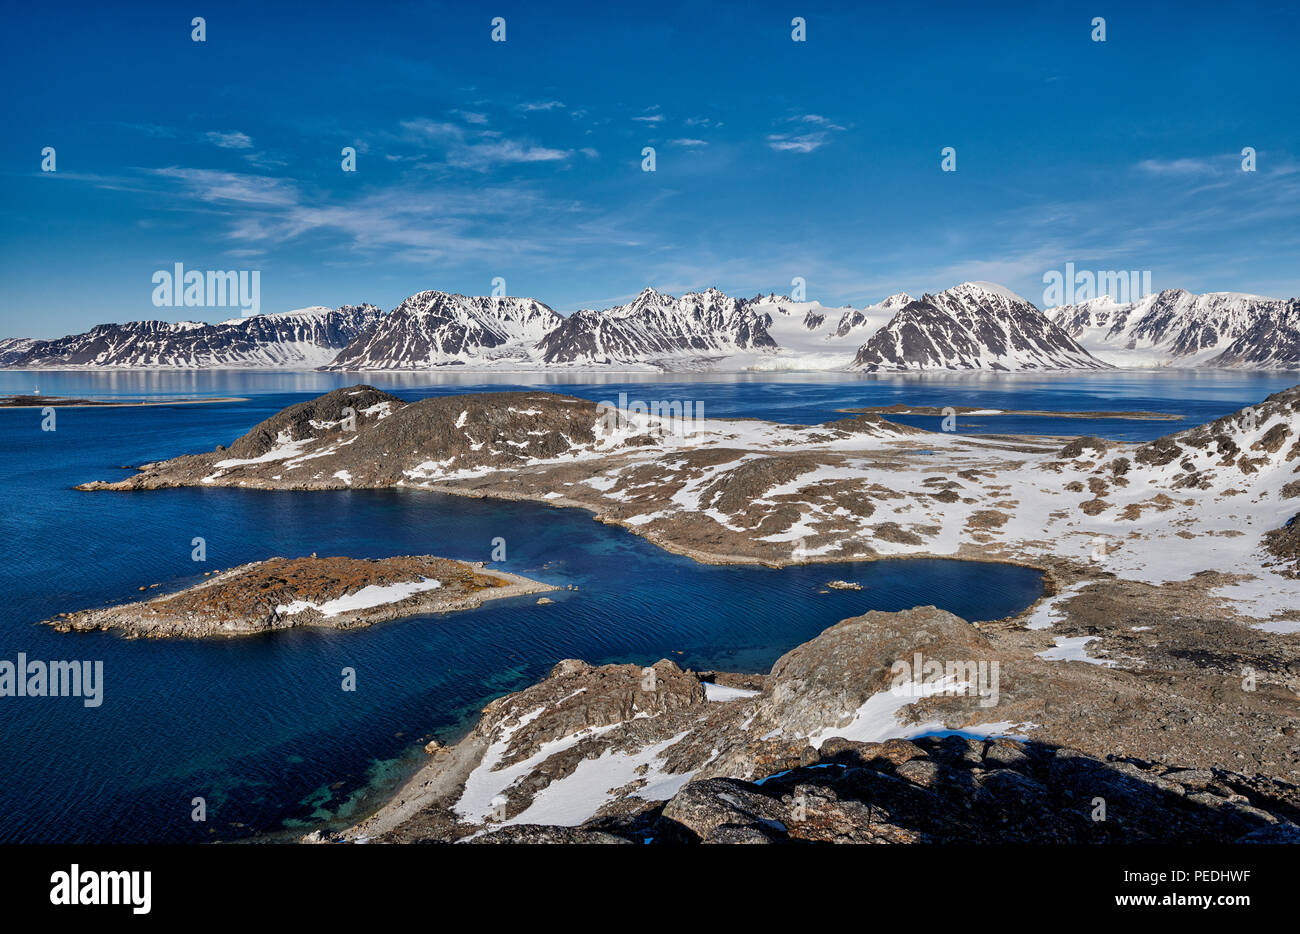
522, 159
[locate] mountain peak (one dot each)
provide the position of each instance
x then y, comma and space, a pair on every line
972, 326
990, 288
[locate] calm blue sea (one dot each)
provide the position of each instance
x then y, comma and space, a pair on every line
260, 727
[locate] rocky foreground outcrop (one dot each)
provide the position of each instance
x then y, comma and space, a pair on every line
283, 593
953, 790
852, 738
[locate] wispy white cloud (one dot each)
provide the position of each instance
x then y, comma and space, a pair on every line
484, 155
531, 106
479, 151
1177, 167
819, 120
416, 220
792, 142
801, 139
231, 187
230, 140
423, 130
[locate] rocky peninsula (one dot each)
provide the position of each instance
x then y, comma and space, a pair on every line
285, 593
833, 746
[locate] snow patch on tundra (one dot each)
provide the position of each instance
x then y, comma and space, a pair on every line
363, 599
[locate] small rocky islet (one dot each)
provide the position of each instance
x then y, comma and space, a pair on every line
322, 592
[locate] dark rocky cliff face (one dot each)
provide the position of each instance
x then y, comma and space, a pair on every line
1272, 341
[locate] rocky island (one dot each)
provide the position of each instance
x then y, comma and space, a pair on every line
34, 401
284, 593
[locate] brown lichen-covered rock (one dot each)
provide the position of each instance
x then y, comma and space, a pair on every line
283, 593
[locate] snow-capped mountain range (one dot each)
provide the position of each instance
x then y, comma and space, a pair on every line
1178, 328
972, 326
302, 339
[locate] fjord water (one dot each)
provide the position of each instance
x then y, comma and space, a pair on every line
796, 398
260, 728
